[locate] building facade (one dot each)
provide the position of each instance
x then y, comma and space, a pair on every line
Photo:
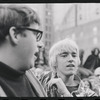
45, 12
48, 27
82, 23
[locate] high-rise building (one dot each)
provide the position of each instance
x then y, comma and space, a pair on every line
45, 12
87, 12
48, 27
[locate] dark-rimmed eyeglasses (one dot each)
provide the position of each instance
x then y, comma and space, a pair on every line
38, 33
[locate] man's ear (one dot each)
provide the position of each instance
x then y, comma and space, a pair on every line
13, 35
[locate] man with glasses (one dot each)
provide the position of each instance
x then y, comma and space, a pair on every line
18, 43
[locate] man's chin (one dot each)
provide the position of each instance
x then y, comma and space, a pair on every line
70, 73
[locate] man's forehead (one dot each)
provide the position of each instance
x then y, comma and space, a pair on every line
69, 50
66, 52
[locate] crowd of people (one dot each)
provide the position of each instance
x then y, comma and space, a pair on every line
66, 78
26, 70
93, 60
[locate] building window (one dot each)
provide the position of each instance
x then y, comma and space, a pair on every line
46, 36
45, 43
80, 17
97, 11
48, 6
46, 28
48, 13
49, 36
49, 29
50, 21
46, 20
80, 7
49, 43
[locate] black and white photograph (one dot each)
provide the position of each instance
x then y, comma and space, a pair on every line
49, 50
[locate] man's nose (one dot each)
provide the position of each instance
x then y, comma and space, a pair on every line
70, 58
70, 61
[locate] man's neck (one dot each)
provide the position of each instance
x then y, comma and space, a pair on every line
8, 57
68, 79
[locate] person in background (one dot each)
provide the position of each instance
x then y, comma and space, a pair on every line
19, 34
92, 62
64, 60
99, 59
81, 55
84, 72
41, 60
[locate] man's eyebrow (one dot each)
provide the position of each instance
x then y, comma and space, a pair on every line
64, 52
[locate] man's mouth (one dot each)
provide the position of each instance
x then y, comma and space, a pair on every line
70, 65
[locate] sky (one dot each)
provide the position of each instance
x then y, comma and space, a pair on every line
60, 9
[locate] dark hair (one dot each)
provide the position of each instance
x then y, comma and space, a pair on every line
45, 59
93, 51
15, 15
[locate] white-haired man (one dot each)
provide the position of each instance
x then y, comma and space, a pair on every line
64, 61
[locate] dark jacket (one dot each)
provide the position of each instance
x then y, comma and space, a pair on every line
92, 62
